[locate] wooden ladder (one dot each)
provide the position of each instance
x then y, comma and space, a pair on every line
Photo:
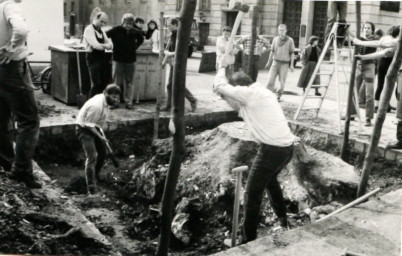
337, 49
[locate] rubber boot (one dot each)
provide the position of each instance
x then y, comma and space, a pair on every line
398, 143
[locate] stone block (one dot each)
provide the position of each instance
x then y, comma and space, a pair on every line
208, 61
359, 146
390, 155
56, 130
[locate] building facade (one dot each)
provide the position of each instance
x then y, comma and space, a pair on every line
303, 18
82, 9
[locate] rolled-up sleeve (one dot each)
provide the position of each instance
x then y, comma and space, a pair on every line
14, 17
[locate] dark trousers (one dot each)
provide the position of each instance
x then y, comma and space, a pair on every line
383, 66
270, 160
253, 73
17, 96
335, 8
99, 72
187, 94
95, 153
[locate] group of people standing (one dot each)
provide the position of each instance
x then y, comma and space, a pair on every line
280, 60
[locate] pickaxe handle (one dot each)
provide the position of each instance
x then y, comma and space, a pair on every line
236, 26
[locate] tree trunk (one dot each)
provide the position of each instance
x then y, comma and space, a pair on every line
179, 83
345, 153
160, 74
251, 60
382, 112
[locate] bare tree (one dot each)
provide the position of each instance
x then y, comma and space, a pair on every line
382, 112
179, 83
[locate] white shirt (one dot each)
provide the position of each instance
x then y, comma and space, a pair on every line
13, 29
221, 44
94, 112
259, 109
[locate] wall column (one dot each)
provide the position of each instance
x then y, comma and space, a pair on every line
306, 23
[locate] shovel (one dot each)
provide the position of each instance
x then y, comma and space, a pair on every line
110, 152
81, 98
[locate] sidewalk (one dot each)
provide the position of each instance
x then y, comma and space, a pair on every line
208, 103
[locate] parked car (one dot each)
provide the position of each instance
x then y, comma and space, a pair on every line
194, 36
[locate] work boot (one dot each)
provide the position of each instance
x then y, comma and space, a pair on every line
368, 122
27, 178
166, 108
398, 143
317, 93
168, 105
129, 106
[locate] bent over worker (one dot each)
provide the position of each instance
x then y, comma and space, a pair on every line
266, 122
90, 120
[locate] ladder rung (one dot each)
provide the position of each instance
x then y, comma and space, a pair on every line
328, 61
313, 97
310, 108
325, 74
318, 86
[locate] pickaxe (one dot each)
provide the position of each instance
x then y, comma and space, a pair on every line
243, 8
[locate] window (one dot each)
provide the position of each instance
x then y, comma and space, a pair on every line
389, 6
205, 5
65, 9
179, 3
72, 6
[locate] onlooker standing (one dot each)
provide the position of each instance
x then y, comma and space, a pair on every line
221, 45
309, 58
335, 8
125, 40
398, 143
90, 120
153, 35
261, 45
365, 72
170, 53
138, 24
280, 58
97, 61
17, 96
268, 125
388, 43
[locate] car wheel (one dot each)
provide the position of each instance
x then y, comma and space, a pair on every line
190, 51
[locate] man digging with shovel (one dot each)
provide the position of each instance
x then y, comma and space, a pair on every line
266, 122
90, 121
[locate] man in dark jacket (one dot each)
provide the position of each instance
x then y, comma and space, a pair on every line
170, 52
125, 40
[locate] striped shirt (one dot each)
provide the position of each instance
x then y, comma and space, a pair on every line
259, 44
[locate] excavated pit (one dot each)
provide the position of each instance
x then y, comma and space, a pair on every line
125, 214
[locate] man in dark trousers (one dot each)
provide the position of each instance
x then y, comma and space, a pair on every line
365, 72
170, 52
90, 120
125, 41
266, 122
17, 96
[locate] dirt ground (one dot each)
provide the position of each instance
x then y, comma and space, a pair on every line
126, 209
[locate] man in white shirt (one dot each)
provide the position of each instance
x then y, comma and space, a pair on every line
90, 120
266, 122
17, 96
